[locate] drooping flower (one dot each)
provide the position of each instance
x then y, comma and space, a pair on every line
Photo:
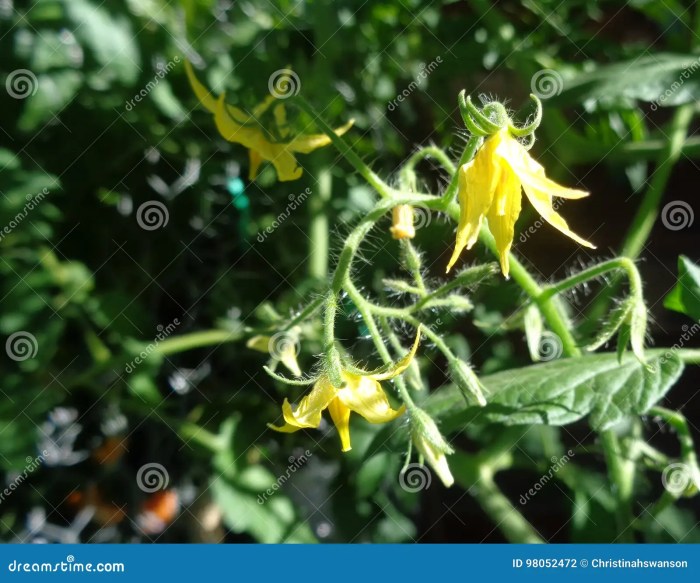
275, 144
490, 186
362, 394
431, 445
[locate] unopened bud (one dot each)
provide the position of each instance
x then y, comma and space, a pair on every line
467, 381
402, 225
431, 444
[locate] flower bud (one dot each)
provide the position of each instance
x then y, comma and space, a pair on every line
466, 380
402, 226
431, 444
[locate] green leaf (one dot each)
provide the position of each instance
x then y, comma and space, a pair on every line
270, 519
110, 39
54, 92
685, 297
564, 391
665, 79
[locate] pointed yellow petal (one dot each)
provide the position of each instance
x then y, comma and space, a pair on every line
365, 396
478, 180
543, 205
289, 359
401, 365
504, 213
260, 342
284, 162
280, 114
233, 131
307, 143
341, 418
308, 413
255, 161
531, 172
202, 93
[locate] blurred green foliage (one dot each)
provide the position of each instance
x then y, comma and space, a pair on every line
106, 122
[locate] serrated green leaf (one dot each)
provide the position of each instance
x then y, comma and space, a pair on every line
666, 79
564, 391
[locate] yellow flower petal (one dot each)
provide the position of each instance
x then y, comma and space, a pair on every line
531, 172
543, 205
283, 160
308, 412
202, 93
401, 365
233, 131
477, 184
308, 143
365, 396
255, 161
341, 418
504, 213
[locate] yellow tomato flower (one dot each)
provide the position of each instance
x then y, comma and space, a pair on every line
362, 393
490, 186
402, 222
237, 126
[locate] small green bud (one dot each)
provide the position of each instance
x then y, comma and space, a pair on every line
431, 445
467, 381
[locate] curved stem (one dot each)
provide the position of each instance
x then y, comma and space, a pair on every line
195, 340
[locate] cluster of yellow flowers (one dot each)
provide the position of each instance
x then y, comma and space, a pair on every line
489, 186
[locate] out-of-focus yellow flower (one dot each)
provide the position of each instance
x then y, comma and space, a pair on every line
490, 186
362, 393
402, 222
276, 146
